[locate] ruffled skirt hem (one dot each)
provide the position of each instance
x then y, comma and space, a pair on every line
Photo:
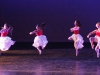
5, 43
40, 41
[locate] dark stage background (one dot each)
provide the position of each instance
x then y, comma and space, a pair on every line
60, 15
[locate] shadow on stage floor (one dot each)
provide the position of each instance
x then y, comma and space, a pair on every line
52, 61
50, 45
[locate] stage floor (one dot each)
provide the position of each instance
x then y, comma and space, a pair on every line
51, 62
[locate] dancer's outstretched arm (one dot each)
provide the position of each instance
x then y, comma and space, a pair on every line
74, 28
33, 32
93, 32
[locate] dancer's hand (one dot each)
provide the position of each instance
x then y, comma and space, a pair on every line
71, 29
30, 33
88, 36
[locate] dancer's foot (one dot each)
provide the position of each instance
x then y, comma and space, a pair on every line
76, 54
39, 50
92, 46
98, 54
43, 47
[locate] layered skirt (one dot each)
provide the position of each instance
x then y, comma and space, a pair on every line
78, 40
5, 43
40, 41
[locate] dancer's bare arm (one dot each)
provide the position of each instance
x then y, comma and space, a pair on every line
33, 32
93, 32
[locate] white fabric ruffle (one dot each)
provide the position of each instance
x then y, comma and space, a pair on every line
40, 41
78, 40
5, 43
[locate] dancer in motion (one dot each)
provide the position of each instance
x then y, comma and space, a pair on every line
95, 39
40, 40
5, 40
76, 37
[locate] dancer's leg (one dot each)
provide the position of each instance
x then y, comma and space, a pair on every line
76, 47
92, 39
97, 51
76, 52
38, 48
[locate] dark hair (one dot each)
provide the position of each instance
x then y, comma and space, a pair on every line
6, 24
10, 30
43, 25
78, 23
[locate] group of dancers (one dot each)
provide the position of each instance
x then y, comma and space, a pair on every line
78, 39
40, 41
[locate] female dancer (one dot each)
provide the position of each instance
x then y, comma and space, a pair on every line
95, 39
76, 37
5, 40
40, 40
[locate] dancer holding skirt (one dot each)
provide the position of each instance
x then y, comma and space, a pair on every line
40, 40
76, 37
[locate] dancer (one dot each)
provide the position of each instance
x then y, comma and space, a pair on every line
95, 39
40, 40
76, 37
5, 40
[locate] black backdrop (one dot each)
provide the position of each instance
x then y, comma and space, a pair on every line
23, 15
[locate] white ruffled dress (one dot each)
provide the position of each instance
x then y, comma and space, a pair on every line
40, 41
78, 40
5, 43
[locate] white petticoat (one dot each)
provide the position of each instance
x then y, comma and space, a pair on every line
78, 40
40, 41
5, 43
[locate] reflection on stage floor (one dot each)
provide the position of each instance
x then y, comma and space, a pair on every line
51, 62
